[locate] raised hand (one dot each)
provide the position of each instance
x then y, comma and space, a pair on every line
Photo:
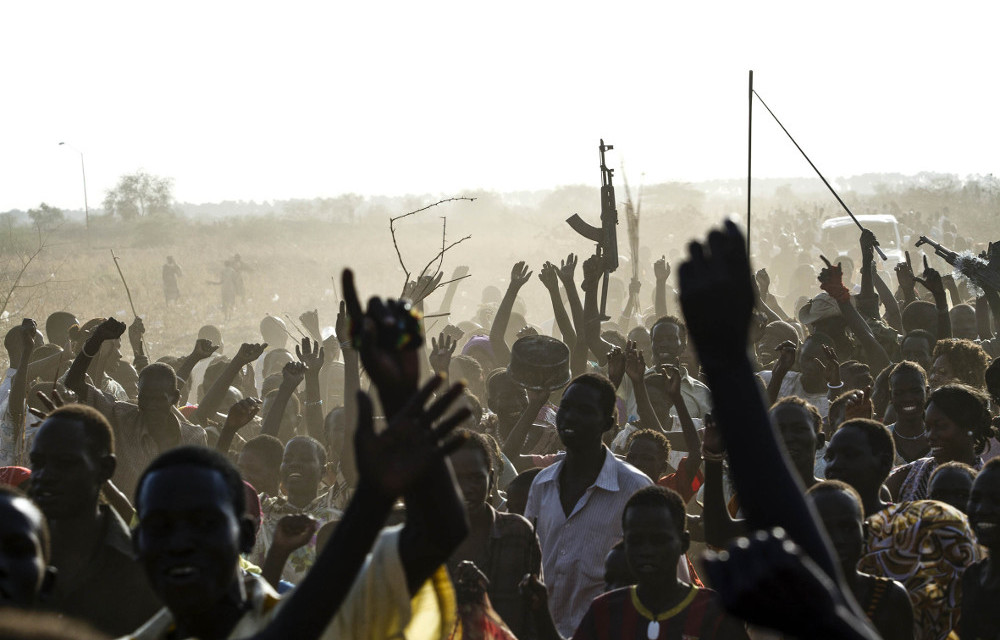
672, 382
763, 281
519, 275
635, 363
203, 348
768, 580
616, 365
386, 337
868, 244
567, 268
904, 274
786, 352
717, 295
294, 531
28, 330
249, 352
712, 444
831, 366
859, 405
110, 329
441, 351
241, 413
593, 267
454, 332
661, 268
931, 281
293, 374
534, 593
135, 332
423, 287
392, 461
342, 326
50, 404
311, 354
549, 276
831, 279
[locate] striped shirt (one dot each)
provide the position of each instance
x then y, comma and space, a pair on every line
574, 547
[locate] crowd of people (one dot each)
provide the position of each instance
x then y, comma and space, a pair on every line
701, 464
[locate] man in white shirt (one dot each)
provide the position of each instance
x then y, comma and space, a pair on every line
577, 503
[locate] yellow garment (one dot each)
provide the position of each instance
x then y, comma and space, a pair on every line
378, 606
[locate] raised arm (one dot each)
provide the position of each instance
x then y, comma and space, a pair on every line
599, 347
672, 379
209, 404
907, 282
352, 386
931, 281
831, 280
19, 385
514, 443
311, 355
387, 337
76, 380
203, 348
635, 369
457, 275
718, 299
519, 275
661, 271
240, 415
549, 275
136, 331
292, 376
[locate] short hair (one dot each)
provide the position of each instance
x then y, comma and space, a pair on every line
795, 401
482, 443
468, 367
879, 441
159, 370
213, 371
44, 537
657, 496
833, 486
954, 464
920, 334
681, 327
614, 338
604, 388
919, 314
784, 329
202, 458
907, 366
524, 478
210, 332
268, 447
650, 434
57, 325
317, 445
97, 430
967, 359
967, 407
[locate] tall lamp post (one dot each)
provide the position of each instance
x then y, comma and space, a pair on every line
83, 170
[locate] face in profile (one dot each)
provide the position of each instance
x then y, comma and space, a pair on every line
22, 557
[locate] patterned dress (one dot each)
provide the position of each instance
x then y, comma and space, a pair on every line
926, 546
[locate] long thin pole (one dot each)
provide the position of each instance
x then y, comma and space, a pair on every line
86, 208
749, 154
816, 169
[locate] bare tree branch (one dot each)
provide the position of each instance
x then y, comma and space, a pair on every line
392, 230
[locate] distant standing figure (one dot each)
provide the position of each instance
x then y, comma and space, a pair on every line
171, 271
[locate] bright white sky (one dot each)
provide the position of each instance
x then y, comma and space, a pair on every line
255, 100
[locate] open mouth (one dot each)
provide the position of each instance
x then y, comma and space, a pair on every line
182, 574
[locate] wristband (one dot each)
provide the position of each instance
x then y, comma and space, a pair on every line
312, 404
835, 387
83, 350
711, 456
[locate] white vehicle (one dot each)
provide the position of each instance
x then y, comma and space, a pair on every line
841, 233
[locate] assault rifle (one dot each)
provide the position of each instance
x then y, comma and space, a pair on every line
983, 271
606, 235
